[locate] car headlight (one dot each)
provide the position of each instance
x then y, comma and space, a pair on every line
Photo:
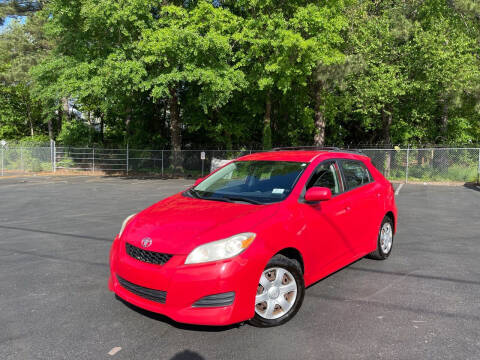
125, 223
221, 249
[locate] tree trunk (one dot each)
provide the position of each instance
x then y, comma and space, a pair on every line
59, 119
175, 130
32, 133
29, 117
319, 137
387, 123
444, 121
50, 128
440, 157
128, 120
65, 108
267, 128
102, 127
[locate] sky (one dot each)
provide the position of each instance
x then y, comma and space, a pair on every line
8, 20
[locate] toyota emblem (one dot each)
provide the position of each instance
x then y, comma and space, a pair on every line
146, 242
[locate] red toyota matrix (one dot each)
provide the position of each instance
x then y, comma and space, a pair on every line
245, 241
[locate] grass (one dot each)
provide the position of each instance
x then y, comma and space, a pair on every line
455, 173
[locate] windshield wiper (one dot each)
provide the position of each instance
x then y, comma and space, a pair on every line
229, 199
194, 193
239, 198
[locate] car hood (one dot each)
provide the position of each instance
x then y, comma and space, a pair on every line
178, 224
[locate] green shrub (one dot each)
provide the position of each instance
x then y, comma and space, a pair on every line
76, 133
37, 140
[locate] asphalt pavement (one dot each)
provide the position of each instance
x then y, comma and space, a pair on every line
55, 234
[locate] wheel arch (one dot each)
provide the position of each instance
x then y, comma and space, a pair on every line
392, 216
293, 253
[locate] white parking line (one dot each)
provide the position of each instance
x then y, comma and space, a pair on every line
398, 189
114, 350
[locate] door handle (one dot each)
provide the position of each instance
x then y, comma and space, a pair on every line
344, 210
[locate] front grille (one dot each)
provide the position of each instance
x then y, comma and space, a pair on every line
151, 257
216, 300
150, 294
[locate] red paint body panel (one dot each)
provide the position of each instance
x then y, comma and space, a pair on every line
329, 235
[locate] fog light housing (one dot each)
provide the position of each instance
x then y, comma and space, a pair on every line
217, 300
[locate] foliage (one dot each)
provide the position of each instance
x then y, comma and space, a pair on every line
234, 73
36, 140
76, 133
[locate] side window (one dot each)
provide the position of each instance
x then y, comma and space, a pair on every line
326, 175
355, 173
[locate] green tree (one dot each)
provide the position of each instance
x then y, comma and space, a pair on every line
22, 46
284, 47
446, 63
191, 47
380, 80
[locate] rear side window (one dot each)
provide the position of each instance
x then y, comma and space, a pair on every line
356, 174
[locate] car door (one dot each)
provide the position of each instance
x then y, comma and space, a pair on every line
365, 198
325, 221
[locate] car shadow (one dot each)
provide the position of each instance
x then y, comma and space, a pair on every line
181, 326
472, 186
187, 355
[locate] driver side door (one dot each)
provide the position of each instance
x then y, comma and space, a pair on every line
325, 221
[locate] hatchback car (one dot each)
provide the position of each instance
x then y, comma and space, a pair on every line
244, 242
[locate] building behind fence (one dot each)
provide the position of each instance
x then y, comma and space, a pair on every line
405, 164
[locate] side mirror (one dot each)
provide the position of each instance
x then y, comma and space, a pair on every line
317, 193
198, 181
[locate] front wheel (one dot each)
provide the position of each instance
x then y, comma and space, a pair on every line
280, 292
384, 241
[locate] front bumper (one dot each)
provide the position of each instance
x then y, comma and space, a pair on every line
186, 284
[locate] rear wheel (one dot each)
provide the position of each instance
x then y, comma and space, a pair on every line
384, 241
280, 292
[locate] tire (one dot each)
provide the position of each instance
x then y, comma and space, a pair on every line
385, 244
271, 312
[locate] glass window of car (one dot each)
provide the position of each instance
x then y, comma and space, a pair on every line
355, 173
251, 181
326, 175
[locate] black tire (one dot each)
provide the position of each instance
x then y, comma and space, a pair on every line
293, 266
379, 254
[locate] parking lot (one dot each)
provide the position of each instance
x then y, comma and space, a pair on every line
55, 235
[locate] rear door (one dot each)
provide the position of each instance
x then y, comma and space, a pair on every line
366, 204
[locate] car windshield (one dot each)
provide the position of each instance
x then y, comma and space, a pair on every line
255, 182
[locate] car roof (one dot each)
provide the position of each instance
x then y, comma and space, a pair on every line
300, 155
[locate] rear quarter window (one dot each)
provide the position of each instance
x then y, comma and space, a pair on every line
355, 173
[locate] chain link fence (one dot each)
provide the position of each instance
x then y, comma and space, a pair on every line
427, 165
410, 164
17, 160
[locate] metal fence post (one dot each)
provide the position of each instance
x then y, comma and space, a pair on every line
2, 160
162, 163
406, 170
127, 158
54, 156
478, 173
22, 166
93, 159
51, 153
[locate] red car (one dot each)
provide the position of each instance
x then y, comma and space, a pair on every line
245, 241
